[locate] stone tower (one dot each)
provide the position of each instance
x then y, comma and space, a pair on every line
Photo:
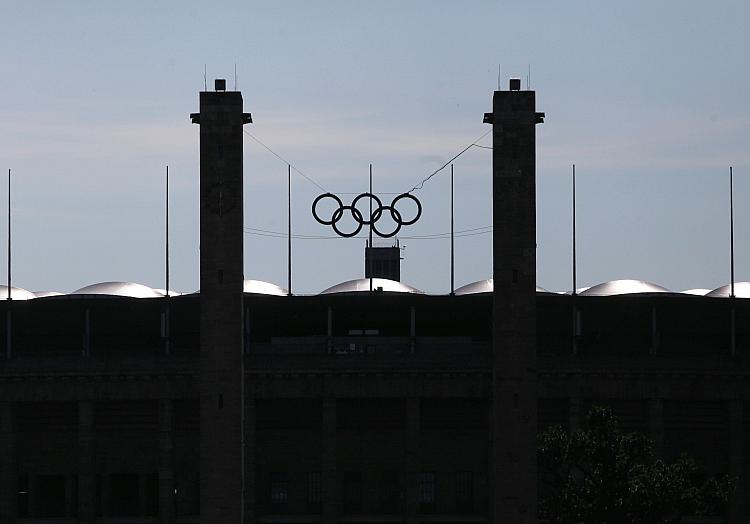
514, 374
221, 283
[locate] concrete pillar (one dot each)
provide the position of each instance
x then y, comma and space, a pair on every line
166, 461
737, 459
142, 493
330, 473
106, 488
250, 478
222, 374
656, 425
86, 477
69, 492
514, 378
33, 495
412, 460
8, 473
575, 417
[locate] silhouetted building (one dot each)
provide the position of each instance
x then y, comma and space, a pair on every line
350, 406
383, 262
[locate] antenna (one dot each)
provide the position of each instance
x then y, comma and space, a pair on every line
235, 76
205, 82
453, 259
289, 228
731, 232
498, 77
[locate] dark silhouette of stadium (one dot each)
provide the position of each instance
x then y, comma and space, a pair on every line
244, 404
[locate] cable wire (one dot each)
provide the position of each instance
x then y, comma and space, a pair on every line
433, 236
274, 153
438, 170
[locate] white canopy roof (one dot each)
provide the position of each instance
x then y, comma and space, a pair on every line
120, 289
485, 286
623, 287
363, 285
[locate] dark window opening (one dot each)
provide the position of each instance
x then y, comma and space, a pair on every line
427, 492
23, 496
391, 494
352, 492
50, 496
464, 492
279, 484
124, 499
314, 492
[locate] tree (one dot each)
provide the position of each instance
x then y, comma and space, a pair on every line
600, 475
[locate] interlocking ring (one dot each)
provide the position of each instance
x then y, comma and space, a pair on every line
359, 217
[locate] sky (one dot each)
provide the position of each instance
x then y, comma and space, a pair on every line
648, 99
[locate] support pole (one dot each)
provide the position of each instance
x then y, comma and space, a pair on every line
166, 268
574, 270
289, 228
369, 260
453, 258
731, 232
9, 323
732, 326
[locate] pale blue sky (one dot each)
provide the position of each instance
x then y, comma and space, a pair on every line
649, 99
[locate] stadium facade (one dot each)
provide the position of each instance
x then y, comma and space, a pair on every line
244, 403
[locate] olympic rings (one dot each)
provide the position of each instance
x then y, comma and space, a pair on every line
357, 215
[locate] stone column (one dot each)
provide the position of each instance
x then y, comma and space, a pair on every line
33, 492
166, 461
69, 502
8, 473
656, 425
86, 478
330, 474
737, 459
142, 494
250, 479
222, 375
106, 492
412, 460
514, 378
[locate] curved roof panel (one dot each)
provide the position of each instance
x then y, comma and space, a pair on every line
363, 285
741, 290
261, 287
163, 292
696, 291
623, 287
120, 289
16, 293
42, 294
485, 286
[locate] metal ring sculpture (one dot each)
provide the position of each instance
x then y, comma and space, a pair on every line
359, 218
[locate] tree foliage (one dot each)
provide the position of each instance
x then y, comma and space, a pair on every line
600, 475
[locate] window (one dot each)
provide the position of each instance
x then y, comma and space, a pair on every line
427, 492
390, 492
50, 501
314, 491
352, 492
23, 496
464, 492
124, 495
279, 491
